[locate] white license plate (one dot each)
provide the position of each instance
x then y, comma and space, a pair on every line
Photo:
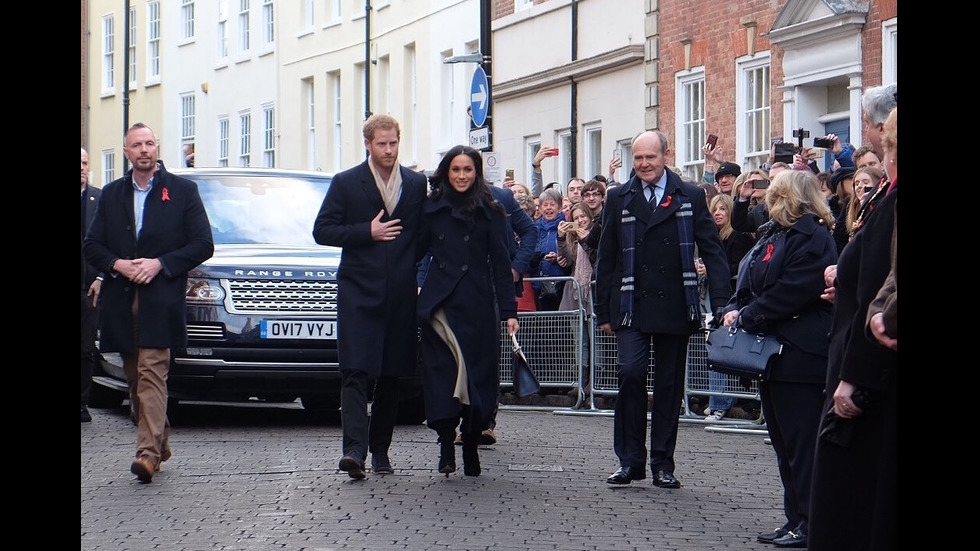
298, 329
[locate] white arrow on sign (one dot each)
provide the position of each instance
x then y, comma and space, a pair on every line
480, 96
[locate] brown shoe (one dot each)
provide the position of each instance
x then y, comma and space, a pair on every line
488, 438
353, 467
459, 439
143, 468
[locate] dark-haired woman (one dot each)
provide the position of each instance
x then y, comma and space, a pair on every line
468, 288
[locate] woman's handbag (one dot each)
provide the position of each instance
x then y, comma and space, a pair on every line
549, 291
735, 351
525, 383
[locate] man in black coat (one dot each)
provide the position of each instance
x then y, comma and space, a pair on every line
646, 288
150, 229
373, 212
91, 285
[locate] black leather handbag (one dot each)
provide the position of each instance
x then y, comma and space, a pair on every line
735, 351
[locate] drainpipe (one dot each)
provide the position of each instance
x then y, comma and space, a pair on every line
367, 59
125, 82
573, 94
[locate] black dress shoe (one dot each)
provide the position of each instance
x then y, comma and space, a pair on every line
793, 538
381, 464
86, 416
625, 475
353, 466
770, 537
663, 479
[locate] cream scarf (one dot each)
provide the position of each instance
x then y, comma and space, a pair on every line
390, 190
441, 325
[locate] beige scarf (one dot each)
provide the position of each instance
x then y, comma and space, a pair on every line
441, 325
390, 190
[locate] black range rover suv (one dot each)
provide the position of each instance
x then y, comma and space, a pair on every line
262, 312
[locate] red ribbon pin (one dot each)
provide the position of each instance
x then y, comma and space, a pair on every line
166, 194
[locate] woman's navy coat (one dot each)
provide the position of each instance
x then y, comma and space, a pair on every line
469, 278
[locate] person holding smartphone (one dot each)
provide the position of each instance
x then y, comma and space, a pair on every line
750, 210
537, 177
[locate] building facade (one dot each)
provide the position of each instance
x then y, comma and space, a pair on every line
288, 83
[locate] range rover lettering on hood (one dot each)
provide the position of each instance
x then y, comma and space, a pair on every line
287, 273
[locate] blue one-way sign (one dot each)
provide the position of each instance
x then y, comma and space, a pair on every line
480, 96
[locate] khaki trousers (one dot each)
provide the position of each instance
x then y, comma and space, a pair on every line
146, 372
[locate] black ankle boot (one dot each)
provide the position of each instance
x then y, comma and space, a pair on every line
447, 452
471, 455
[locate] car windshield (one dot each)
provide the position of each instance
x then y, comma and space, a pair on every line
266, 209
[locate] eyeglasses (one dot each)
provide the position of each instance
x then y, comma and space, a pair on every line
592, 194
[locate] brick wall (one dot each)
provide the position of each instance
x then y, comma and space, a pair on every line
718, 33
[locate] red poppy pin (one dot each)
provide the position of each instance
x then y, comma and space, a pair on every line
769, 249
166, 194
667, 201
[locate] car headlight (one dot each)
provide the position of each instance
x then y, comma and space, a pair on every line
202, 291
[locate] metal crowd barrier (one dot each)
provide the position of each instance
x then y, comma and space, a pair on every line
552, 340
605, 382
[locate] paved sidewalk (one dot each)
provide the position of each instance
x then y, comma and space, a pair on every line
267, 479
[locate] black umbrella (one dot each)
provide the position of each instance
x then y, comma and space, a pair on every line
525, 383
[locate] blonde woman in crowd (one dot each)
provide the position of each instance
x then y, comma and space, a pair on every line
778, 293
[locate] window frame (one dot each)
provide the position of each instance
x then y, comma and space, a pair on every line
889, 51
108, 54
245, 139
592, 147
132, 48
268, 24
747, 128
187, 20
244, 21
108, 166
691, 122
224, 132
188, 114
566, 171
336, 114
269, 136
153, 42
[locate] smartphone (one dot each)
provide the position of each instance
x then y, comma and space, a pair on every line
509, 174
554, 151
617, 154
760, 184
823, 142
712, 140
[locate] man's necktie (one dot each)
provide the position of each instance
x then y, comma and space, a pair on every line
652, 199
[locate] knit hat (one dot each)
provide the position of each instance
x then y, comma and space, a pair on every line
839, 176
727, 168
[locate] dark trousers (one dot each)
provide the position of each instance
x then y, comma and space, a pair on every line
362, 433
630, 415
793, 412
90, 326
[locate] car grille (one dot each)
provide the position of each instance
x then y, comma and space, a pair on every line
203, 331
277, 296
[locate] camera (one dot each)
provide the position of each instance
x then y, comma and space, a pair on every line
823, 142
784, 152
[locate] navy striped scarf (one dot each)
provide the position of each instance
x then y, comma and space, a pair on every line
685, 232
